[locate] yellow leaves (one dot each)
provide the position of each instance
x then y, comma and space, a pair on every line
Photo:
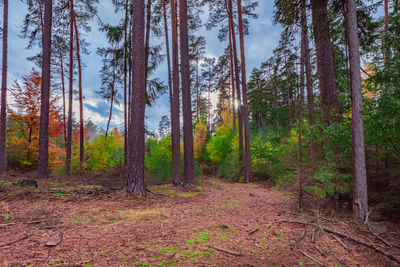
200, 138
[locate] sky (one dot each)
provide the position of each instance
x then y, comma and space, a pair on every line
264, 37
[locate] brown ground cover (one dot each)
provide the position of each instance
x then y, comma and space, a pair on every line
102, 226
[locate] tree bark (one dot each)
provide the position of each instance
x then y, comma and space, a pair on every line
125, 82
71, 88
237, 82
325, 64
175, 105
136, 180
43, 161
81, 132
232, 82
3, 110
147, 38
360, 195
308, 72
247, 159
112, 100
63, 97
186, 97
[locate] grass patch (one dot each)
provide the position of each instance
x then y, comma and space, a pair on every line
5, 182
62, 194
198, 191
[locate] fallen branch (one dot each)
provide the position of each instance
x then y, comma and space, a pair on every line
15, 241
154, 193
7, 224
341, 243
381, 239
372, 246
235, 253
319, 250
34, 222
311, 258
254, 231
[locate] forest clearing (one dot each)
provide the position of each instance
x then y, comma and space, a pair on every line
251, 223
200, 133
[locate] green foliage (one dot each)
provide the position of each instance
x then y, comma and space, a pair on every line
105, 153
158, 158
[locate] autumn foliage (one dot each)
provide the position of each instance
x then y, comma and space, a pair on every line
23, 130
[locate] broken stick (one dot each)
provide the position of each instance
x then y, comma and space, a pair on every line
235, 253
311, 258
15, 241
372, 246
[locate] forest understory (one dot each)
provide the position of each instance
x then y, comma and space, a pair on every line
219, 223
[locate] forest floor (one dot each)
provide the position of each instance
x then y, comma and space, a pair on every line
217, 224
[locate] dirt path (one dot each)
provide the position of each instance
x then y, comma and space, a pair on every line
174, 228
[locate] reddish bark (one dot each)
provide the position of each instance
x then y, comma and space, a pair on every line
43, 166
360, 195
247, 159
3, 110
71, 88
125, 82
232, 82
136, 181
63, 96
186, 97
112, 101
325, 64
81, 133
237, 80
175, 106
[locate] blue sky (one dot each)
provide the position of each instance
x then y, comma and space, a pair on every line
263, 38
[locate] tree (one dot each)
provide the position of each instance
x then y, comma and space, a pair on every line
3, 109
175, 104
186, 97
360, 197
43, 170
247, 161
136, 184
25, 119
164, 126
325, 64
71, 87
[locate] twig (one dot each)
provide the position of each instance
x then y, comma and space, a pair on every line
15, 241
235, 253
311, 258
154, 193
254, 231
38, 221
372, 246
7, 224
302, 235
341, 243
381, 239
319, 250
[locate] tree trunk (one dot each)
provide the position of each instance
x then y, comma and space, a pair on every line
247, 159
360, 195
43, 161
3, 110
112, 101
386, 11
308, 72
71, 88
147, 39
81, 132
237, 82
168, 56
325, 64
136, 181
175, 105
300, 105
63, 97
232, 82
125, 82
186, 97
197, 92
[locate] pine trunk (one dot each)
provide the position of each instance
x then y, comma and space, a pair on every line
175, 104
232, 82
125, 82
308, 71
71, 88
136, 180
63, 97
237, 82
186, 98
360, 195
147, 42
325, 63
81, 132
43, 161
3, 110
247, 159
112, 102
